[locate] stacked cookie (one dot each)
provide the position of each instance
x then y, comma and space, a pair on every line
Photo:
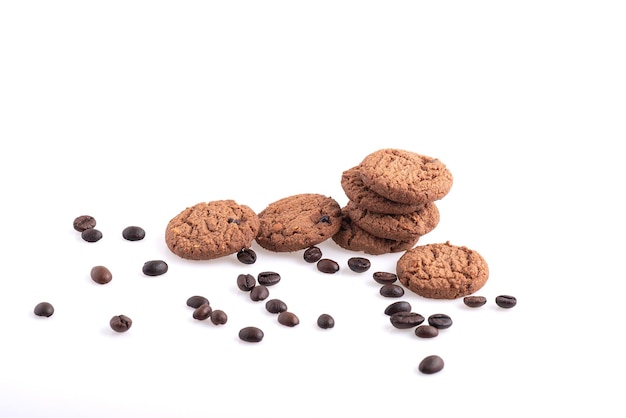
392, 196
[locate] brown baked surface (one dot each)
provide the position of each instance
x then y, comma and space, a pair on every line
442, 271
298, 222
210, 230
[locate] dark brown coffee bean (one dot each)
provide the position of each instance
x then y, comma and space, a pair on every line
268, 278
326, 265
426, 331
392, 291
440, 321
383, 277
219, 317
275, 306
400, 306
133, 233
195, 301
259, 293
405, 320
359, 264
202, 312
246, 256
431, 364
154, 268
251, 334
101, 275
474, 301
44, 309
312, 254
246, 282
506, 301
91, 235
84, 222
288, 319
325, 321
120, 323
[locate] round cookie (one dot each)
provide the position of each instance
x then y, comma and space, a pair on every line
353, 238
396, 227
405, 177
442, 271
365, 198
298, 222
211, 230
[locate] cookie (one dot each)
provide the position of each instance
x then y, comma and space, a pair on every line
365, 198
405, 177
396, 227
353, 238
211, 230
298, 222
442, 271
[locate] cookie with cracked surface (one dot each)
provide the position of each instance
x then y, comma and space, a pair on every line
442, 271
297, 222
210, 230
405, 176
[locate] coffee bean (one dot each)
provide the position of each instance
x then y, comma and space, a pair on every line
219, 317
400, 306
202, 312
506, 301
275, 306
195, 301
431, 364
246, 256
251, 334
259, 293
474, 301
154, 268
383, 277
44, 309
84, 222
405, 320
91, 235
326, 265
392, 291
133, 233
246, 282
120, 323
312, 254
288, 319
101, 275
268, 278
359, 264
440, 321
325, 321
426, 331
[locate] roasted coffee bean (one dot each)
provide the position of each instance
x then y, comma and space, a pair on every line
133, 233
44, 309
268, 278
325, 321
359, 264
312, 254
84, 222
202, 312
400, 306
91, 235
506, 301
288, 319
405, 320
392, 291
383, 277
195, 301
275, 306
101, 275
246, 256
251, 334
154, 268
259, 292
426, 331
120, 323
474, 301
219, 317
440, 321
431, 364
326, 265
246, 282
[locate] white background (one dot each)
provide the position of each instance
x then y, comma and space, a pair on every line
131, 111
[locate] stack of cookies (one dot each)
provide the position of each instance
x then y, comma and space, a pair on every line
391, 196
